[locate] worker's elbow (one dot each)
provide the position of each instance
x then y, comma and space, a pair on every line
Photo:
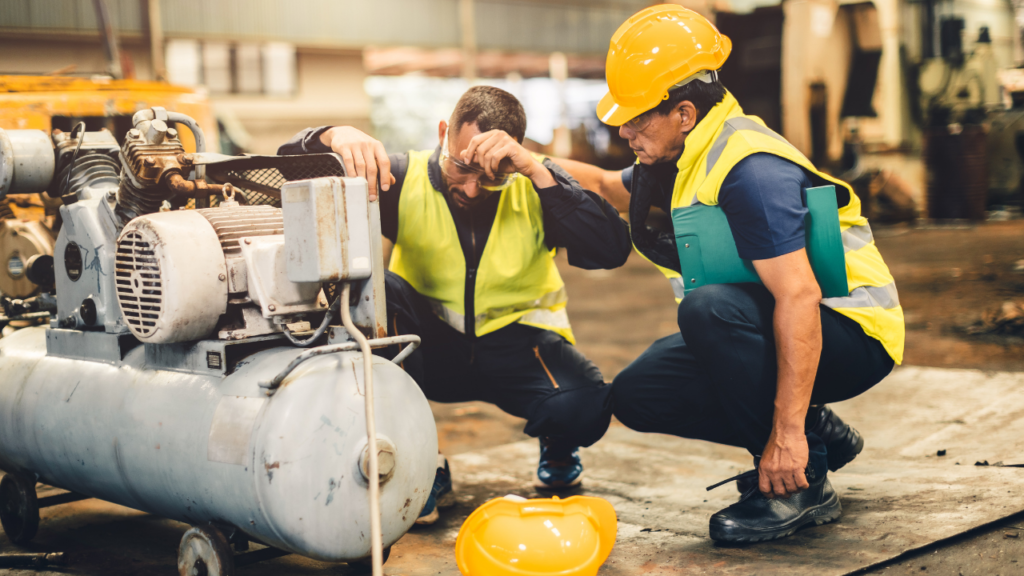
798, 295
622, 248
621, 257
808, 294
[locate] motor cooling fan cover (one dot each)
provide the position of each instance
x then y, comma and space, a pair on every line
171, 277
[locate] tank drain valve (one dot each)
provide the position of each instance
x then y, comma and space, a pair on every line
385, 460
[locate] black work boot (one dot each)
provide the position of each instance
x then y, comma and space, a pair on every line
756, 518
842, 441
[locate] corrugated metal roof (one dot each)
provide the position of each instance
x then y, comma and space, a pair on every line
571, 26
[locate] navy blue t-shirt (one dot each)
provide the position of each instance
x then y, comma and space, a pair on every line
762, 197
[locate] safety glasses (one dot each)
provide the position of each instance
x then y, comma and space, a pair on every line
641, 122
456, 169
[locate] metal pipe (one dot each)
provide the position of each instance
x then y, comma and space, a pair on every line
407, 351
467, 24
197, 133
36, 561
109, 39
373, 477
156, 41
412, 340
193, 188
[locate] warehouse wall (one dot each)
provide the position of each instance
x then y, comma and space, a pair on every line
572, 26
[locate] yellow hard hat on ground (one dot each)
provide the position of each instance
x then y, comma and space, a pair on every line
657, 49
513, 536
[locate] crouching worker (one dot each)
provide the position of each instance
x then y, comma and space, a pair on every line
775, 320
475, 224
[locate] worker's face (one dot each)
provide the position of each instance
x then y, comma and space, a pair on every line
464, 180
656, 138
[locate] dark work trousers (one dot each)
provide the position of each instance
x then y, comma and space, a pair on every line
528, 372
716, 379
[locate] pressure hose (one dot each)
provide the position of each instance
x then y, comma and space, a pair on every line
373, 477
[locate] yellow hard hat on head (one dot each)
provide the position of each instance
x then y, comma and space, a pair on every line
513, 536
657, 49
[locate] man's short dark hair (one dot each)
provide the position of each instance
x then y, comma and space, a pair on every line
703, 95
491, 109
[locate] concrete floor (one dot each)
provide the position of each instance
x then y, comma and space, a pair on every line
899, 497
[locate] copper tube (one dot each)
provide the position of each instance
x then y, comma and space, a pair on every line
177, 184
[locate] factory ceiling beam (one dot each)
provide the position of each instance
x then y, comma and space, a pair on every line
449, 63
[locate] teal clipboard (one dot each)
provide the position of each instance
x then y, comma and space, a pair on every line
708, 254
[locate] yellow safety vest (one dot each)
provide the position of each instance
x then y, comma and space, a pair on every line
517, 280
725, 137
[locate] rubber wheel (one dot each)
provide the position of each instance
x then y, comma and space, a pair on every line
365, 565
204, 551
19, 508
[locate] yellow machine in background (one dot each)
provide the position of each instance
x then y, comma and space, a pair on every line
29, 223
56, 102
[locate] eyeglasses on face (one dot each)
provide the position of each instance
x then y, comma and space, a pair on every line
459, 170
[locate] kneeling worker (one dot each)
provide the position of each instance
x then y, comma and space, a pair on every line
475, 223
774, 321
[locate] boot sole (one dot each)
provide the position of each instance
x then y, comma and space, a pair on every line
446, 500
823, 513
557, 487
429, 518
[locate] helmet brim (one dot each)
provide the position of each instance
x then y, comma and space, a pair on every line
613, 114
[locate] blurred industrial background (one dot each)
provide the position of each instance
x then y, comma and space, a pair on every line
918, 103
868, 89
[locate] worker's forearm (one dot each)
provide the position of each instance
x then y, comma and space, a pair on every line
797, 323
540, 176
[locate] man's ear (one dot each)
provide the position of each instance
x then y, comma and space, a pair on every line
442, 127
687, 116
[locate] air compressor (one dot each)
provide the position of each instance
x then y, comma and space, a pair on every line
194, 366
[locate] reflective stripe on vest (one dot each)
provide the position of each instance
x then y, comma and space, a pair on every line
538, 311
731, 126
884, 297
678, 287
517, 280
857, 237
725, 137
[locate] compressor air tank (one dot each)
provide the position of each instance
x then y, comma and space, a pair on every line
287, 470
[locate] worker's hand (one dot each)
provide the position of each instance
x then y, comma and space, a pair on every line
363, 156
491, 149
783, 463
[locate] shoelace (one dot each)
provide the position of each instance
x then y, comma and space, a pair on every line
742, 476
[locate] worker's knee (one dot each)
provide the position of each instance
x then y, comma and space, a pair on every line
707, 310
579, 415
631, 403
